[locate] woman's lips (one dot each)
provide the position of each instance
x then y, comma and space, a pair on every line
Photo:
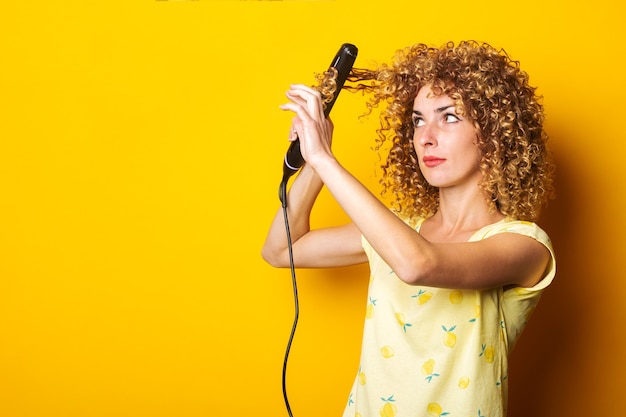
432, 161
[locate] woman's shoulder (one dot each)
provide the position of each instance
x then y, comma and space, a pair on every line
508, 225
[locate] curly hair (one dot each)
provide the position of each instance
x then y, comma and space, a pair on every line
489, 89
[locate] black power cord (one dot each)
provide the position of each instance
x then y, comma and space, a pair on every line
283, 199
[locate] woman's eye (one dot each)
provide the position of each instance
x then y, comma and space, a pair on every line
417, 122
451, 118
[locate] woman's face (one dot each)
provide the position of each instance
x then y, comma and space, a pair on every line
445, 143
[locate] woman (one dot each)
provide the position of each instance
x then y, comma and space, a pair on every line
457, 265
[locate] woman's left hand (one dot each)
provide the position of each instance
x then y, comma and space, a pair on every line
309, 124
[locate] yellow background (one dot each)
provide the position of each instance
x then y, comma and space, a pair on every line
141, 149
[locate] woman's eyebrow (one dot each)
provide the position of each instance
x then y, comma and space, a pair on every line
437, 110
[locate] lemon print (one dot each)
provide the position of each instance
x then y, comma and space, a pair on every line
502, 330
428, 366
488, 353
521, 291
357, 414
464, 382
389, 409
401, 322
456, 297
362, 379
423, 297
387, 352
428, 369
449, 338
476, 314
435, 409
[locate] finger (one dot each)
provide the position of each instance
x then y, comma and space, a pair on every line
301, 112
305, 88
308, 97
303, 118
293, 132
303, 91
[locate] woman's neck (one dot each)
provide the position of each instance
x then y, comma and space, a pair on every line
458, 217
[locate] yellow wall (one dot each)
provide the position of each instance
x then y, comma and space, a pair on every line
140, 154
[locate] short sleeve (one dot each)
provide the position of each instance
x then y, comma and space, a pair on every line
531, 230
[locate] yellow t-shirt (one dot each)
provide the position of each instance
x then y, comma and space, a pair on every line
435, 352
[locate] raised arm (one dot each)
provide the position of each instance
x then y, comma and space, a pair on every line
506, 259
321, 248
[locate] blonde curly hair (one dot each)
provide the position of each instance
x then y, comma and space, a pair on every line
493, 92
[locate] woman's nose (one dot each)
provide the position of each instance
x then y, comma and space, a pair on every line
425, 135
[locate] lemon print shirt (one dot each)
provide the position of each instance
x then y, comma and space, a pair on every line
436, 352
